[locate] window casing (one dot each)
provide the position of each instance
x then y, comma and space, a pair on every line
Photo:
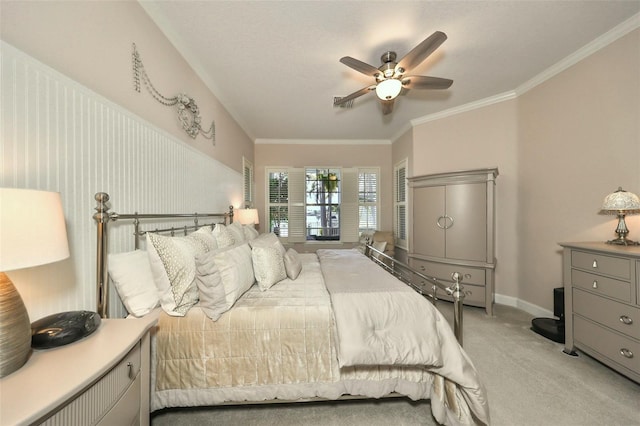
368, 199
400, 204
278, 202
322, 203
248, 182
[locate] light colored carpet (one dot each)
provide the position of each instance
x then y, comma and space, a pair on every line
529, 382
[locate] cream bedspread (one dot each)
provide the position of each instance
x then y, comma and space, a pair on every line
274, 344
381, 321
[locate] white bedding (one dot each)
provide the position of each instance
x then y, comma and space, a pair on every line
189, 370
380, 321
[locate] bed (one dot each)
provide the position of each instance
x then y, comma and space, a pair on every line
242, 320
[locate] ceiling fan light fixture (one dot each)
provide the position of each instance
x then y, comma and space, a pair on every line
388, 89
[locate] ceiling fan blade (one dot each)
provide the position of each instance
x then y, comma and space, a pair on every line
424, 82
387, 106
360, 66
354, 95
422, 51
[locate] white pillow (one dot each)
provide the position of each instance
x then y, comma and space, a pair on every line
131, 274
223, 236
250, 232
292, 264
268, 266
268, 240
236, 271
213, 300
236, 232
205, 237
173, 266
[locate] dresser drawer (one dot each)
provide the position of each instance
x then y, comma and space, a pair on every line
617, 267
97, 400
601, 285
617, 348
443, 271
612, 314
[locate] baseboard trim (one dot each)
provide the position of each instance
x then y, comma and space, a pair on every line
535, 310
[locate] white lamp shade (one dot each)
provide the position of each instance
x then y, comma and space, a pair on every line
32, 228
388, 89
621, 201
246, 216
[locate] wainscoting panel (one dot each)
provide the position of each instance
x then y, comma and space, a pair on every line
57, 135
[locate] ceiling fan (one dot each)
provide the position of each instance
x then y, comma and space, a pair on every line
390, 76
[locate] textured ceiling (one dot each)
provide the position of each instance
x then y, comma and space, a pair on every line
275, 64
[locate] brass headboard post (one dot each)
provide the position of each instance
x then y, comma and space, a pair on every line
102, 219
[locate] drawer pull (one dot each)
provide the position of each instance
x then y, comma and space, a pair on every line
422, 268
626, 353
626, 320
131, 373
595, 284
594, 264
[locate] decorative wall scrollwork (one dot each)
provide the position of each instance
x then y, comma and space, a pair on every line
188, 111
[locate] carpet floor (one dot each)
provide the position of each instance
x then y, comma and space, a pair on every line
529, 382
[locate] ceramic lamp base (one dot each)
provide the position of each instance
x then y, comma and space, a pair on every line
15, 328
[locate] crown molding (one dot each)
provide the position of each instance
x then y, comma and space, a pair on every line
604, 40
464, 108
322, 142
587, 50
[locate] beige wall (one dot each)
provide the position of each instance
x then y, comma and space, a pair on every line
481, 138
91, 42
579, 139
560, 148
301, 155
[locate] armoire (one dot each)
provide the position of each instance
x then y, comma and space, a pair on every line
452, 229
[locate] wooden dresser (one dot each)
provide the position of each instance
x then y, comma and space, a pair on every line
602, 304
101, 379
452, 228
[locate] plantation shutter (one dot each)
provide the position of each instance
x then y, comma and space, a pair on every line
297, 218
349, 220
400, 204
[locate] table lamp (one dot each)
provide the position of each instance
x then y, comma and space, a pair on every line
32, 233
246, 216
621, 203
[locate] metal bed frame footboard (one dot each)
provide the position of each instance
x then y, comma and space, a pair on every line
407, 275
103, 217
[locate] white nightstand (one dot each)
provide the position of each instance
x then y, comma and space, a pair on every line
101, 379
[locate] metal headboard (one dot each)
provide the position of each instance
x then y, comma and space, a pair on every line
103, 217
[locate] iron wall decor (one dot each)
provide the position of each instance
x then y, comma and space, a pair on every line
188, 111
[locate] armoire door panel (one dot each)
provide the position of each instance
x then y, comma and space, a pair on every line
428, 208
466, 234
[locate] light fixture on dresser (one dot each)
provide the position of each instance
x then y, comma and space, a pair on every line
246, 216
32, 233
621, 203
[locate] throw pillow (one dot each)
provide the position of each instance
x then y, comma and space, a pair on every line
223, 236
292, 264
173, 267
268, 266
213, 300
236, 232
132, 277
236, 271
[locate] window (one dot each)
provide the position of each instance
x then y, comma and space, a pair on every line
367, 199
247, 178
322, 203
400, 203
278, 202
